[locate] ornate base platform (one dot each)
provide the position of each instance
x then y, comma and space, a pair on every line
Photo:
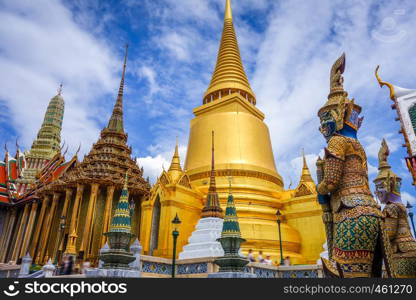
112, 273
232, 275
203, 241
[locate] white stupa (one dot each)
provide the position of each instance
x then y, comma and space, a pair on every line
203, 241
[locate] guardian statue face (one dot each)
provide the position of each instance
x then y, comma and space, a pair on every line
328, 125
382, 192
388, 190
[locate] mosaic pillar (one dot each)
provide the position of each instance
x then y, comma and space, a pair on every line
107, 214
20, 232
86, 238
8, 234
48, 226
4, 232
71, 245
35, 240
68, 196
29, 229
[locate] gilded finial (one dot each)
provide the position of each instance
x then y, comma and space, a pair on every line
230, 180
212, 206
60, 89
228, 10
336, 78
384, 83
176, 163
383, 153
229, 76
305, 165
116, 122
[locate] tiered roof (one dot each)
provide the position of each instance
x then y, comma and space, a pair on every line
110, 157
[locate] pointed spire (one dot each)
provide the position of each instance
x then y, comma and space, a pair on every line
306, 174
60, 89
228, 10
385, 173
121, 221
230, 227
48, 141
229, 75
176, 163
212, 205
116, 120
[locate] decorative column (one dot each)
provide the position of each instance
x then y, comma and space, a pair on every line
20, 231
48, 226
8, 235
85, 244
4, 233
71, 246
29, 229
35, 240
64, 216
107, 213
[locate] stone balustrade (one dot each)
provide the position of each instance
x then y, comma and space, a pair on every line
156, 267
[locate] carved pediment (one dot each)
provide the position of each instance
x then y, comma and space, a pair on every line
185, 182
303, 190
164, 180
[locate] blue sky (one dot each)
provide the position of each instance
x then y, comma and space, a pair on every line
288, 48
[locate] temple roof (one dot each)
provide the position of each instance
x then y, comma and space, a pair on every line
48, 140
175, 169
110, 157
229, 75
306, 184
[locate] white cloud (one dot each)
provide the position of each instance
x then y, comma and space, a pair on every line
153, 165
406, 197
41, 46
372, 144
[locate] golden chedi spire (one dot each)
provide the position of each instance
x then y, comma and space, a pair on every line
306, 184
212, 208
229, 75
175, 169
306, 174
175, 165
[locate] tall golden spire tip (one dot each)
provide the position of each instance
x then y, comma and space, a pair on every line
228, 10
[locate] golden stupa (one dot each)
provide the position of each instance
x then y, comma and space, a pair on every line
243, 152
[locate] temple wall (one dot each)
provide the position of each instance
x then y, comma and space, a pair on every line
173, 200
305, 215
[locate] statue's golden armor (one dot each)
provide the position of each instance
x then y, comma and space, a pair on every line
352, 217
345, 174
356, 215
402, 243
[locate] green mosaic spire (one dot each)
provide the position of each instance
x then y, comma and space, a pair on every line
121, 221
116, 120
230, 227
48, 140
